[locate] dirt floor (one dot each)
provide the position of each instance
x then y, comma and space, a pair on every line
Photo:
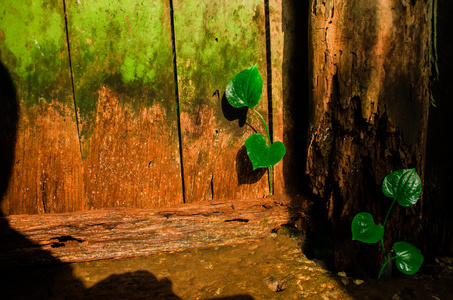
271, 268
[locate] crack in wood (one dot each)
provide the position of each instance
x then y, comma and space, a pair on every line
238, 220
64, 240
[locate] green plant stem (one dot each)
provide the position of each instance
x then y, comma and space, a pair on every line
383, 258
269, 139
271, 192
388, 212
382, 241
383, 266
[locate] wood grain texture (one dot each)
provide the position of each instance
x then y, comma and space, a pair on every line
215, 40
275, 45
370, 64
124, 87
120, 233
44, 153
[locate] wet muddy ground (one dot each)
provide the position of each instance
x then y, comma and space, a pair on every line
270, 268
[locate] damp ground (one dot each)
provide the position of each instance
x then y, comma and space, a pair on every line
273, 267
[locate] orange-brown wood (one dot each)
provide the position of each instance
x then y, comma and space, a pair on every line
133, 157
41, 161
215, 40
125, 93
120, 233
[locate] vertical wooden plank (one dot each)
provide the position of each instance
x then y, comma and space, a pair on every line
124, 87
47, 166
214, 41
275, 46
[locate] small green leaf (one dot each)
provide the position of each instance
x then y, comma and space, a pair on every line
403, 185
245, 88
261, 155
408, 258
365, 230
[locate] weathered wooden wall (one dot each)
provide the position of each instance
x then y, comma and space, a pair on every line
47, 166
214, 41
99, 124
125, 98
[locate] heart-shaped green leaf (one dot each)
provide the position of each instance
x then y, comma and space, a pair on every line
403, 185
408, 258
365, 230
245, 88
261, 155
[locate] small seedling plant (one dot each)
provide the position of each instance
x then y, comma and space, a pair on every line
405, 187
245, 89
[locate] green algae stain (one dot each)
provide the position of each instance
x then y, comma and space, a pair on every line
125, 45
128, 38
33, 47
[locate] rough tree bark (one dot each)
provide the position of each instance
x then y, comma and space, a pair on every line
371, 66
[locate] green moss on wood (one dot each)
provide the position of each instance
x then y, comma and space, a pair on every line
33, 48
125, 45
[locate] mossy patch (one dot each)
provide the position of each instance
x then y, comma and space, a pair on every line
126, 46
33, 47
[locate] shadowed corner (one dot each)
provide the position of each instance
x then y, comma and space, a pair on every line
318, 243
244, 168
296, 79
230, 113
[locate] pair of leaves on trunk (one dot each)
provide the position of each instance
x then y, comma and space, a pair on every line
404, 186
245, 89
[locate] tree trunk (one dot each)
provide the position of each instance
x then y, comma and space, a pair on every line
370, 63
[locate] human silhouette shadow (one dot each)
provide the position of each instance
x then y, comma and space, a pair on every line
29, 272
145, 286
15, 260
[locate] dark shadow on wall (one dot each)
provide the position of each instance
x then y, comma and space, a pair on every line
437, 204
230, 113
12, 261
295, 94
318, 244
